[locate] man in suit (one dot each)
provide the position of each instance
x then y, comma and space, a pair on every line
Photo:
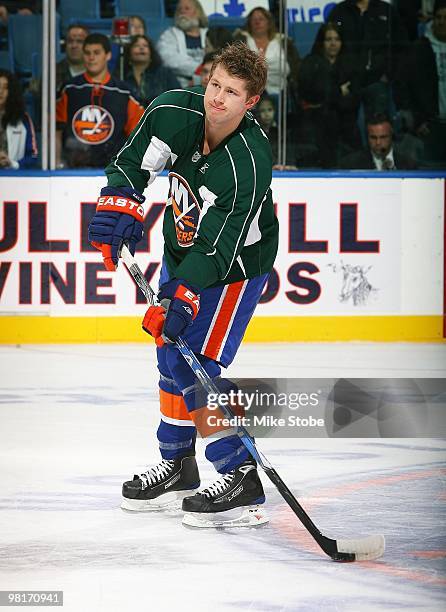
381, 153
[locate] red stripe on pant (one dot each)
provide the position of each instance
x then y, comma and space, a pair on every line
220, 327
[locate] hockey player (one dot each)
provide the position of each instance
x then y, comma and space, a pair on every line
221, 235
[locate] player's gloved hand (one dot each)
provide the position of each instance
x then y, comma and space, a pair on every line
153, 323
179, 305
119, 218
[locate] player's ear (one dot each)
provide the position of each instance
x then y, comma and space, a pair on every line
252, 101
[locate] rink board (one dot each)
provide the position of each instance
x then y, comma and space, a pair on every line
359, 259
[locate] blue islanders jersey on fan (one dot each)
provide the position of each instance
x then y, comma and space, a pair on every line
96, 118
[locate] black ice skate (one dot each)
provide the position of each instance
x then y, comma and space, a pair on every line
235, 500
163, 486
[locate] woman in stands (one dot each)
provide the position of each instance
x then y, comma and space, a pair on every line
330, 95
260, 35
146, 76
18, 146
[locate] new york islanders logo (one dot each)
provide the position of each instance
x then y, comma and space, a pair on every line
185, 209
93, 125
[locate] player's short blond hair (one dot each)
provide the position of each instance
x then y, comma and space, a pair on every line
239, 61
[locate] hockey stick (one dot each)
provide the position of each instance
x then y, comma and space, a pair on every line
362, 549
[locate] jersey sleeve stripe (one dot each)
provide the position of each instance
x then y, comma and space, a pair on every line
233, 201
250, 208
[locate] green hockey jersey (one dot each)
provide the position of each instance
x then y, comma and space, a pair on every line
219, 224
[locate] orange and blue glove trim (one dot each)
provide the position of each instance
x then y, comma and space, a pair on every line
118, 219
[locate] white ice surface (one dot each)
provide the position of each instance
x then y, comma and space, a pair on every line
75, 421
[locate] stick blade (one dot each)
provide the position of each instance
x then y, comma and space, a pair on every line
364, 549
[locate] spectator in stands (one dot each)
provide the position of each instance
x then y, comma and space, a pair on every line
94, 112
265, 113
374, 35
381, 153
204, 70
329, 95
147, 77
73, 63
18, 147
261, 36
119, 64
421, 92
181, 47
137, 25
67, 68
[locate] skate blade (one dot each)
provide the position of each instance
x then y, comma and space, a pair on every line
252, 516
168, 501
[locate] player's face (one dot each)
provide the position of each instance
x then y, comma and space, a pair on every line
95, 59
380, 139
3, 91
226, 99
75, 40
